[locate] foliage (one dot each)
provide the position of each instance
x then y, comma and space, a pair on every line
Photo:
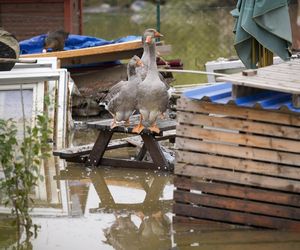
21, 162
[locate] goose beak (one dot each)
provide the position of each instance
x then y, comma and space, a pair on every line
148, 39
157, 34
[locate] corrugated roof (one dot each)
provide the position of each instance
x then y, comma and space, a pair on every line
221, 93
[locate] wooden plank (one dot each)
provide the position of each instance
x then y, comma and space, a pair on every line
237, 164
296, 101
86, 149
163, 124
244, 236
276, 117
239, 124
238, 191
237, 177
265, 79
239, 246
189, 223
239, 152
235, 217
113, 144
237, 204
249, 140
241, 91
97, 50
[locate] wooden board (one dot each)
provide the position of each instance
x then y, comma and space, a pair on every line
284, 78
103, 53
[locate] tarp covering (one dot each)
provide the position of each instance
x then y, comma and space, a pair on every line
266, 21
35, 44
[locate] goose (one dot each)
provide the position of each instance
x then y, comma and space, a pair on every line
121, 98
152, 93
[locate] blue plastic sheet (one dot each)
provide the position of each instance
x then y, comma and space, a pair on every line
35, 44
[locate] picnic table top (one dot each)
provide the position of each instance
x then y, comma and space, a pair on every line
104, 125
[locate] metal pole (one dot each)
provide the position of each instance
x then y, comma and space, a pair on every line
158, 16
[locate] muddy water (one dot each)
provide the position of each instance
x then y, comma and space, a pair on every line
116, 208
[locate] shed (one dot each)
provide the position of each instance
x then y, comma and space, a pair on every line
28, 18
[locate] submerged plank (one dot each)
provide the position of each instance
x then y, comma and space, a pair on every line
238, 191
235, 217
237, 204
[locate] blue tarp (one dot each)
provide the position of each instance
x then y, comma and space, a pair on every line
35, 44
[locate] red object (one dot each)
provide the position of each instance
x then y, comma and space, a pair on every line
28, 18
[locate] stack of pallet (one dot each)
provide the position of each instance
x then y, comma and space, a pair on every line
237, 165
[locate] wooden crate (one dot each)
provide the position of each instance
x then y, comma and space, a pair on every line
237, 165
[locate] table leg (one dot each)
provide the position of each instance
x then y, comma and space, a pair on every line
141, 153
155, 151
99, 148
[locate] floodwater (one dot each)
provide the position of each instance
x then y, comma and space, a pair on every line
115, 208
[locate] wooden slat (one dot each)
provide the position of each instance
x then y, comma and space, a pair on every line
239, 246
277, 117
238, 191
237, 177
238, 138
188, 223
237, 164
241, 152
98, 50
235, 217
236, 236
237, 204
113, 144
239, 124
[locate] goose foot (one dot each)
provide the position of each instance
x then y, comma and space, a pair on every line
138, 128
113, 124
154, 129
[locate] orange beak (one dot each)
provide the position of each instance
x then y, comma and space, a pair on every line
148, 39
157, 34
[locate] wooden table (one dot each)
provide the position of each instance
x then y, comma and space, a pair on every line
92, 154
150, 144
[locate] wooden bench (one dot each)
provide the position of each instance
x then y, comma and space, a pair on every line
92, 154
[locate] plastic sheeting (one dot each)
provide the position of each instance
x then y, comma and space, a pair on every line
35, 44
221, 93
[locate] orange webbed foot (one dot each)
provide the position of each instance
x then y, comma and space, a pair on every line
154, 129
138, 128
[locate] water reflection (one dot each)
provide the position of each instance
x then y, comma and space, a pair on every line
139, 201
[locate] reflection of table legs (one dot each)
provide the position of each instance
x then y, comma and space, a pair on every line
150, 144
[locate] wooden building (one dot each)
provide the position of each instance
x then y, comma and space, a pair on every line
238, 159
28, 18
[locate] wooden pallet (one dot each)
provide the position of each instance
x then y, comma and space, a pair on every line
237, 165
